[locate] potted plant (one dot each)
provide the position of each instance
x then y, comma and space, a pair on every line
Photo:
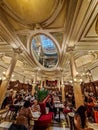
41, 94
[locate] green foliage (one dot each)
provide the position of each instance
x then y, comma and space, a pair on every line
42, 94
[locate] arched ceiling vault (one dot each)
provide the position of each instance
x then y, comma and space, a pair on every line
73, 24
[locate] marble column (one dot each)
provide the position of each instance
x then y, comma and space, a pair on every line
62, 88
24, 79
76, 83
58, 85
45, 83
6, 80
33, 85
41, 83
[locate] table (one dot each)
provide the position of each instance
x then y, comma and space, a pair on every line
5, 125
56, 101
71, 120
59, 106
93, 125
35, 115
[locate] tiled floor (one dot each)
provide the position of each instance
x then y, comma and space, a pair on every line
55, 125
91, 125
5, 125
58, 128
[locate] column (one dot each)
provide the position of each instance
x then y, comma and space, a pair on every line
62, 88
33, 85
45, 83
24, 79
76, 83
5, 82
58, 85
41, 83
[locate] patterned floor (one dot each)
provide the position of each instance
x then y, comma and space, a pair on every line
55, 125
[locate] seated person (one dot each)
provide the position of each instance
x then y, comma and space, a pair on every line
17, 99
80, 119
90, 105
50, 105
35, 107
5, 102
24, 115
68, 108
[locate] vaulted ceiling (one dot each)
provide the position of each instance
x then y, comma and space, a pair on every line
72, 25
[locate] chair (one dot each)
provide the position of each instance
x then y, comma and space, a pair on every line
45, 119
96, 116
66, 111
10, 112
2, 112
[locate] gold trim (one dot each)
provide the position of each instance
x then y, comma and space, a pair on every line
96, 26
83, 39
32, 55
58, 6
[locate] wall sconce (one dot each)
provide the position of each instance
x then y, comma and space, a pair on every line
78, 78
4, 77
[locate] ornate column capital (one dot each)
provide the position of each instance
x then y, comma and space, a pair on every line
70, 49
17, 50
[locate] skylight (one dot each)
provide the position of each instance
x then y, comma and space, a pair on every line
47, 43
45, 50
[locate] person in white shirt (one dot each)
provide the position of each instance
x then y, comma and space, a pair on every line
35, 107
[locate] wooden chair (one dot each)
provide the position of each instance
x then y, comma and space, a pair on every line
2, 112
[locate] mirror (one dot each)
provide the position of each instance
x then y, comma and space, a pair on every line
45, 50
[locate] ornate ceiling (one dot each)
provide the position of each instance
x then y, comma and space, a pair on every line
72, 25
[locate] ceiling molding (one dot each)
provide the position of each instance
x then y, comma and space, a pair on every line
96, 27
89, 24
57, 8
33, 56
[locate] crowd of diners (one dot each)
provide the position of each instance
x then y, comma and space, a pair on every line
24, 104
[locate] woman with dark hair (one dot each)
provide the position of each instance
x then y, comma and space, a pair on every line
50, 105
80, 119
24, 115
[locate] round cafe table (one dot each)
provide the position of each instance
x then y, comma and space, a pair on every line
59, 107
35, 115
71, 120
